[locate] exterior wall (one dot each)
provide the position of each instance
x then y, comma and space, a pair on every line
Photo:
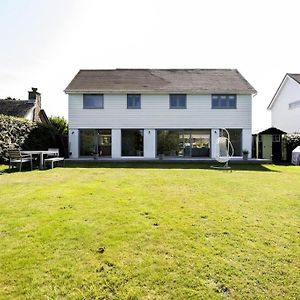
149, 143
155, 113
247, 140
73, 143
282, 117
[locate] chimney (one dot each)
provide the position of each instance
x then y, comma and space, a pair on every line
35, 97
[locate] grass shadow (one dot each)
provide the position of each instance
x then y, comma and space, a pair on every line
236, 166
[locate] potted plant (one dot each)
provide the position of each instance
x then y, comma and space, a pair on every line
245, 154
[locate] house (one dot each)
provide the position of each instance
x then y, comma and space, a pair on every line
285, 105
151, 113
29, 109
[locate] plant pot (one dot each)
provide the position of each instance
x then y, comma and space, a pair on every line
245, 156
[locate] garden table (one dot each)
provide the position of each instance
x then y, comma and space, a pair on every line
41, 153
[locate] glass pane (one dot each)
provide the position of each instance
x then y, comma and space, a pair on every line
200, 143
133, 101
132, 142
236, 140
182, 102
104, 142
92, 101
169, 143
95, 142
87, 142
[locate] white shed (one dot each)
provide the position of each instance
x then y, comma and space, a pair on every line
296, 156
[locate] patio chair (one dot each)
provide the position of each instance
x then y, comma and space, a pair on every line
54, 158
15, 157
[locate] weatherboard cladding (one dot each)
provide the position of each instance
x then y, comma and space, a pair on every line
192, 81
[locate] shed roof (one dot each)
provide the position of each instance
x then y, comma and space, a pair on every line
161, 80
272, 130
16, 108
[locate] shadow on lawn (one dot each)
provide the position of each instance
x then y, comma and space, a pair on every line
169, 165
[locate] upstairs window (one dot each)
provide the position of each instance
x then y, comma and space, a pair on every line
223, 101
93, 101
177, 101
133, 101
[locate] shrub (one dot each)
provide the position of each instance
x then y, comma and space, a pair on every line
292, 141
60, 123
13, 133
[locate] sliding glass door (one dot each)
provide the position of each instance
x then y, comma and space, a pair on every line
95, 142
132, 142
183, 143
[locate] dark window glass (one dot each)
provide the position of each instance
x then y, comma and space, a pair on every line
132, 142
95, 142
134, 101
235, 136
178, 101
183, 143
223, 101
92, 101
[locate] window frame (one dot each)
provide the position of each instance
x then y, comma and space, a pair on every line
227, 99
134, 107
85, 107
177, 101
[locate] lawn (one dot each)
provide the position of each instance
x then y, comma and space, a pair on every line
150, 231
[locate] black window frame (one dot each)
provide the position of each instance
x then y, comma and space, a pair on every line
134, 107
220, 99
88, 107
177, 101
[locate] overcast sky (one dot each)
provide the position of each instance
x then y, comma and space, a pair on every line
45, 42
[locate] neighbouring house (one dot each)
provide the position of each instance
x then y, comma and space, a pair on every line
155, 113
285, 105
29, 109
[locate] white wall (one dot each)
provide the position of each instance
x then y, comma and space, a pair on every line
282, 117
149, 143
116, 143
155, 113
73, 143
247, 140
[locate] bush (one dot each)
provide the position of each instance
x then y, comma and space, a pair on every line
41, 137
292, 141
13, 133
60, 123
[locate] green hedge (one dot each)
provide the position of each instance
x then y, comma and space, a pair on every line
292, 141
20, 133
13, 133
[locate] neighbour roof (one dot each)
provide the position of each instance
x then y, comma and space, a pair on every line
161, 80
296, 77
16, 108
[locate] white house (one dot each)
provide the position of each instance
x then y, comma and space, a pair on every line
150, 113
285, 105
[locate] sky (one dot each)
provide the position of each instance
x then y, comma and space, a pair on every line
45, 42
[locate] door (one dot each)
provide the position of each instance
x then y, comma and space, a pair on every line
267, 146
276, 147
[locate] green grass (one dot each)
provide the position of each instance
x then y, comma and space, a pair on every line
150, 231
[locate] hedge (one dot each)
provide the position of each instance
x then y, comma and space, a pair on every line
13, 133
21, 133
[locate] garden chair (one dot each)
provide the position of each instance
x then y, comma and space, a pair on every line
15, 157
54, 158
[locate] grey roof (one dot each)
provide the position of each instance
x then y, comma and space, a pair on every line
295, 77
16, 108
203, 81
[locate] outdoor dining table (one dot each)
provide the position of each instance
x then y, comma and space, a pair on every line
41, 153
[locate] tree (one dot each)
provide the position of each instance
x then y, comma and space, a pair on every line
60, 124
